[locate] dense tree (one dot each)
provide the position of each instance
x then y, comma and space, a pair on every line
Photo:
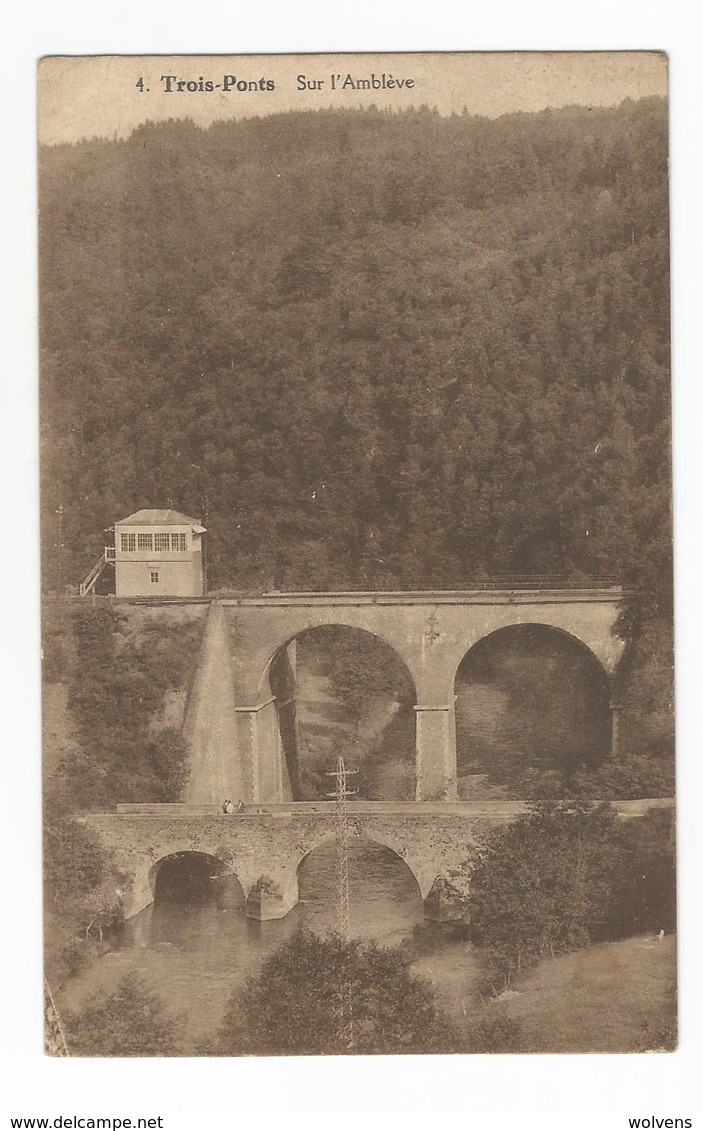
405, 378
291, 1006
82, 894
566, 875
370, 348
131, 1021
117, 681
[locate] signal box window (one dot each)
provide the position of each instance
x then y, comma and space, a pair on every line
154, 577
128, 542
161, 541
178, 541
145, 541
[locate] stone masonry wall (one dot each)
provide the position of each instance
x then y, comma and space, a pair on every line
270, 847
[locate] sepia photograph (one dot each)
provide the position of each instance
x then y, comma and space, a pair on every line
356, 555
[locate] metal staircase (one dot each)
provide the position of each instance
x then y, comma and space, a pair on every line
107, 558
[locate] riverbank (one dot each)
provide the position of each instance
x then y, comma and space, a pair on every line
611, 998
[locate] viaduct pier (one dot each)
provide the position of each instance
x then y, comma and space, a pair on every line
241, 710
237, 718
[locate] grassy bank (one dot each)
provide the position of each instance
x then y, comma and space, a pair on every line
609, 998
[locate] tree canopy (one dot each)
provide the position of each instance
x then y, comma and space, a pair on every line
365, 346
389, 349
130, 1021
291, 1005
567, 875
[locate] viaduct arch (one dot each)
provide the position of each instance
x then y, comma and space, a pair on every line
233, 720
554, 700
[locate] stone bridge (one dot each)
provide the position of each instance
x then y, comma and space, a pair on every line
264, 848
237, 714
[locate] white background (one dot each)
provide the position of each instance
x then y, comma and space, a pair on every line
498, 1091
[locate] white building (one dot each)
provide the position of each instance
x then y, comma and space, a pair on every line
157, 553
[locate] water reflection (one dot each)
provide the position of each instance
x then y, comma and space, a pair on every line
384, 898
195, 946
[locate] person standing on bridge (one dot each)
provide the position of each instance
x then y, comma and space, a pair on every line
227, 806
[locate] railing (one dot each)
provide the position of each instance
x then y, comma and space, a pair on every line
107, 558
626, 807
518, 582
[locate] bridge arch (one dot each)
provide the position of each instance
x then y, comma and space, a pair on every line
188, 873
531, 694
337, 619
385, 749
422, 870
602, 652
233, 723
145, 867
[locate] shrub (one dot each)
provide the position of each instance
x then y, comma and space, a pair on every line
73, 859
566, 875
631, 777
496, 1032
291, 1006
131, 1021
117, 685
361, 667
643, 894
81, 894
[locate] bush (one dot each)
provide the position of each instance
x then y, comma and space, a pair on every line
627, 778
132, 1021
632, 777
643, 895
363, 666
81, 894
566, 875
291, 1006
74, 860
117, 685
497, 1032
428, 937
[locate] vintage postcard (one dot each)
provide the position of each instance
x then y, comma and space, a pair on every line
357, 554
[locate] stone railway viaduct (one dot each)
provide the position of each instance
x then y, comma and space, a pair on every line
235, 725
233, 720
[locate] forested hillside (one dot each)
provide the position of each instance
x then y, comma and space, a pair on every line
363, 346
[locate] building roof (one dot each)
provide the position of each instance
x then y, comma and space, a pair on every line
159, 518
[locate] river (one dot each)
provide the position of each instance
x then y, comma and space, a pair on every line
194, 945
195, 951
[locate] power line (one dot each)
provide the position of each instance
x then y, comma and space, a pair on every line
344, 1004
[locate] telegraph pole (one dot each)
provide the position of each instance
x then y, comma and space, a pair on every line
59, 551
206, 547
343, 1009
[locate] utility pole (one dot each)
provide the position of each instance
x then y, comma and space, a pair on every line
59, 551
343, 1008
206, 547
